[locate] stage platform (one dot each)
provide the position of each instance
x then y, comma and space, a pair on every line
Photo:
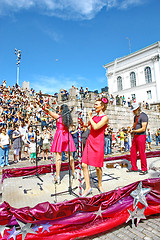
21, 192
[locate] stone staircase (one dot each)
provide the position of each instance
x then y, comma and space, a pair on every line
119, 116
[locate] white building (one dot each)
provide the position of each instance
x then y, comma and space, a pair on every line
136, 75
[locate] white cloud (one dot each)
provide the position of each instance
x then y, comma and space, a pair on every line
51, 85
52, 34
127, 3
71, 9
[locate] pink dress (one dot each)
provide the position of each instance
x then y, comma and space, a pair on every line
60, 141
93, 153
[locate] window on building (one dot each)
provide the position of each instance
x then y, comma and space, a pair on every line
148, 74
149, 94
119, 83
133, 79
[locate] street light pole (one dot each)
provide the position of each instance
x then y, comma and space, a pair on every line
18, 53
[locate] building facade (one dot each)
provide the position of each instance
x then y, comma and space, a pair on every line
137, 75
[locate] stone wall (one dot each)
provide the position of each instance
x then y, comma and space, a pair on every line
119, 116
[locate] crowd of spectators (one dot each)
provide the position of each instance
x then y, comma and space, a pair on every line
84, 94
19, 115
121, 140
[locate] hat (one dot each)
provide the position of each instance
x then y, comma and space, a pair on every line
44, 128
134, 106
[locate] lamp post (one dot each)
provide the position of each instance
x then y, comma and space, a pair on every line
18, 53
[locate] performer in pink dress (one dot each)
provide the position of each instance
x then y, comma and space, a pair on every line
93, 153
60, 141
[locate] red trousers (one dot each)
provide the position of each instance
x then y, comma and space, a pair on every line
138, 144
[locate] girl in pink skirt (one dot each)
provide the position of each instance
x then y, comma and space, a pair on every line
60, 141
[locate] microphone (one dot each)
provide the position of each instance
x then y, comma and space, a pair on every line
93, 109
71, 109
78, 111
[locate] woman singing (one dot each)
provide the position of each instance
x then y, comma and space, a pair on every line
93, 153
60, 141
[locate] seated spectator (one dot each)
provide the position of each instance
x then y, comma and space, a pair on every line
86, 95
77, 93
81, 92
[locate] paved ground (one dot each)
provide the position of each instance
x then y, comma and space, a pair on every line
21, 192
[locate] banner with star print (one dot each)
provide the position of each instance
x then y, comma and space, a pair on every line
81, 217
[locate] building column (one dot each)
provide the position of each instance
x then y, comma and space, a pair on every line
156, 65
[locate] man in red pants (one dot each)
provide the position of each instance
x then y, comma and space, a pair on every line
139, 140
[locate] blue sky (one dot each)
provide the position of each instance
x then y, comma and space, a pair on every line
67, 42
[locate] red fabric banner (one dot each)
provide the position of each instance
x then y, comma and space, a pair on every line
81, 217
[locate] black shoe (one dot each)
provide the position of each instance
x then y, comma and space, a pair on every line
130, 170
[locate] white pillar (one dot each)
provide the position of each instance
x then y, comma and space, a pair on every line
17, 74
157, 77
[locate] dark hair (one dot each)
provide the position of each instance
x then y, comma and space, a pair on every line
30, 126
66, 115
2, 129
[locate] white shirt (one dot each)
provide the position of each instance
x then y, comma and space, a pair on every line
46, 138
32, 147
4, 139
23, 131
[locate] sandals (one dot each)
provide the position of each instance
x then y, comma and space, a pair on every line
74, 175
143, 172
57, 180
88, 192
